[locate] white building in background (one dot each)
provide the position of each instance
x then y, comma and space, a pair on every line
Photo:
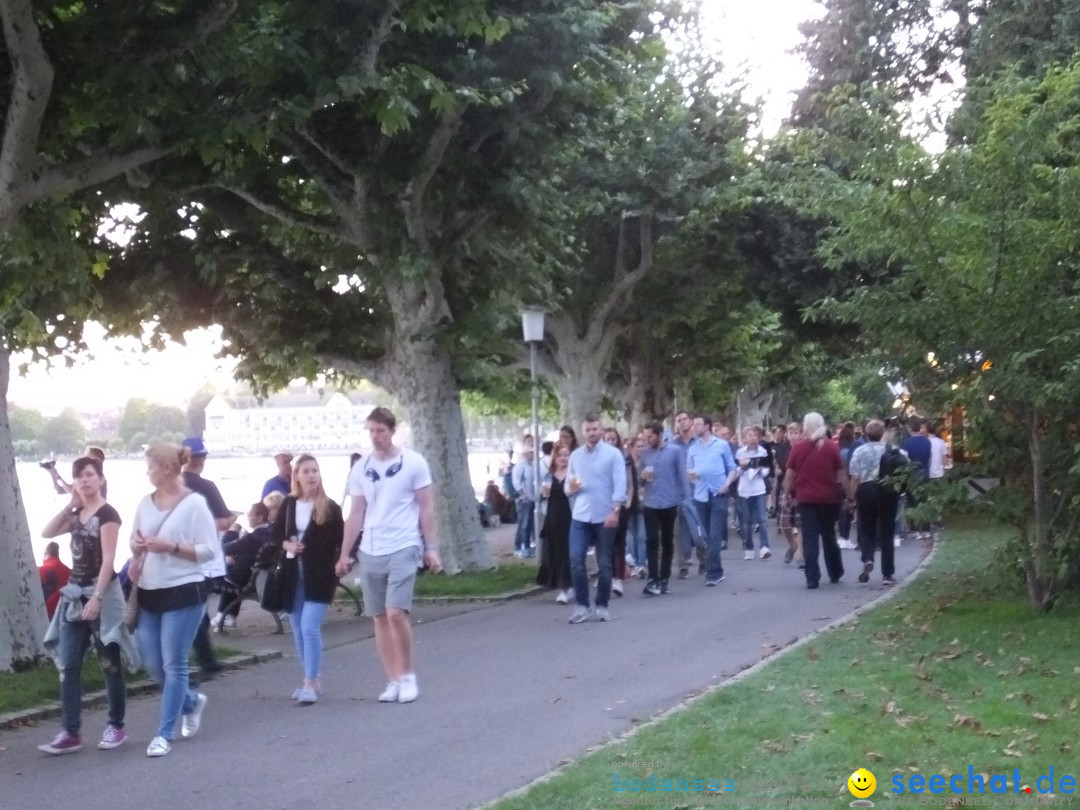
294, 421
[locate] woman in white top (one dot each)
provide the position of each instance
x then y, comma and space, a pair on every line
174, 533
754, 467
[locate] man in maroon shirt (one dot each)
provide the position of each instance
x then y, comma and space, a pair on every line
54, 576
817, 478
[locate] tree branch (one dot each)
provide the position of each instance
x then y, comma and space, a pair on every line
412, 199
208, 23
76, 174
369, 54
371, 370
289, 216
625, 281
31, 87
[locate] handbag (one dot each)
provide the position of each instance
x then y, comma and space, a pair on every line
277, 594
130, 619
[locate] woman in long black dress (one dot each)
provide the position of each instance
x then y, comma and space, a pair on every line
554, 571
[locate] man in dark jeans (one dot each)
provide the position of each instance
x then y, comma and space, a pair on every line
875, 504
663, 476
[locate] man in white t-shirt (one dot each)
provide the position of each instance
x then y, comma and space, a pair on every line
393, 503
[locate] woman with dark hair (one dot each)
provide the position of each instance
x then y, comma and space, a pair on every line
554, 570
845, 441
618, 549
309, 527
568, 437
90, 608
173, 536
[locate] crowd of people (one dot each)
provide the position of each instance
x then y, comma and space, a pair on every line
652, 505
184, 540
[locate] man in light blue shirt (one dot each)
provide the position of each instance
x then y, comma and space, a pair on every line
712, 471
596, 484
691, 534
663, 473
524, 478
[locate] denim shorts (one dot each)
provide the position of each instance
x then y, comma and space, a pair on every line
388, 579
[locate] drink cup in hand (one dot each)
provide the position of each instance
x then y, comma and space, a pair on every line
575, 483
693, 476
545, 489
291, 554
647, 473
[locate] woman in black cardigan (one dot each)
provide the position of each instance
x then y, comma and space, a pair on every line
309, 527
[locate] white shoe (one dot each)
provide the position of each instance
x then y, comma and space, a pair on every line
390, 693
616, 587
158, 747
570, 593
765, 552
563, 597
846, 544
407, 688
189, 723
214, 623
896, 541
230, 621
630, 559
748, 554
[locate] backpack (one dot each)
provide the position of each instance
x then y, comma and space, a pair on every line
891, 468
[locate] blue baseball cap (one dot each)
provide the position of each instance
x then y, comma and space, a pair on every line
195, 445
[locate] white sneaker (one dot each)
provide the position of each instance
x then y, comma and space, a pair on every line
896, 541
230, 621
616, 587
765, 552
158, 747
563, 597
630, 559
390, 693
407, 688
748, 554
569, 595
189, 723
846, 544
214, 623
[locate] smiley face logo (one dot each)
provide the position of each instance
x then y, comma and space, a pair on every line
862, 783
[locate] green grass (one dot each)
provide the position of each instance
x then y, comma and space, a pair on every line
39, 685
510, 576
949, 674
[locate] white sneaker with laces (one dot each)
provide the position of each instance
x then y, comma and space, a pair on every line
230, 621
390, 693
617, 587
896, 541
846, 544
158, 747
563, 597
214, 623
748, 554
765, 552
408, 691
189, 723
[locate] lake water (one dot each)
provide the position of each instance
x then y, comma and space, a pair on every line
239, 479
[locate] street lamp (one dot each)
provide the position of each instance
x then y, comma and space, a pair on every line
532, 325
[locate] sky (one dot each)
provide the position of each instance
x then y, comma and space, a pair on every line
758, 35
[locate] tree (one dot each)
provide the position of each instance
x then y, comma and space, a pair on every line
64, 434
392, 176
66, 67
984, 237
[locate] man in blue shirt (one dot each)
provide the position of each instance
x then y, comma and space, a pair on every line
663, 475
525, 485
596, 484
691, 534
712, 470
282, 482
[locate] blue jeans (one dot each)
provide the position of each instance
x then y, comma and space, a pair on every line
523, 535
818, 522
75, 638
691, 533
583, 535
713, 515
754, 511
165, 640
635, 539
306, 619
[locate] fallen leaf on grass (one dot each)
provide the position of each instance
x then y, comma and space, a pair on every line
813, 655
921, 672
889, 707
775, 746
967, 721
1042, 718
802, 738
874, 756
1012, 752
1065, 748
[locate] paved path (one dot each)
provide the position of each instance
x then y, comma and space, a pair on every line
508, 692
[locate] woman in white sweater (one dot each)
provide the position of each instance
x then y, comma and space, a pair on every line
174, 533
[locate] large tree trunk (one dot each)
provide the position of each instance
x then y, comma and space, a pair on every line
649, 393
22, 606
578, 366
422, 377
1036, 560
751, 409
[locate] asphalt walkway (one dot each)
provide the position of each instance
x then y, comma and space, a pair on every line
508, 692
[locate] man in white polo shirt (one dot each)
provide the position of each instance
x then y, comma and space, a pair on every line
392, 501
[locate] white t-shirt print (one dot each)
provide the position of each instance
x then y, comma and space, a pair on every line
392, 519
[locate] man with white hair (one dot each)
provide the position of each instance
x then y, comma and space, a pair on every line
817, 478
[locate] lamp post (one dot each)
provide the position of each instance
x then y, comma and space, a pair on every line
532, 326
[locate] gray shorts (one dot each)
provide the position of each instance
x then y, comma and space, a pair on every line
388, 579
